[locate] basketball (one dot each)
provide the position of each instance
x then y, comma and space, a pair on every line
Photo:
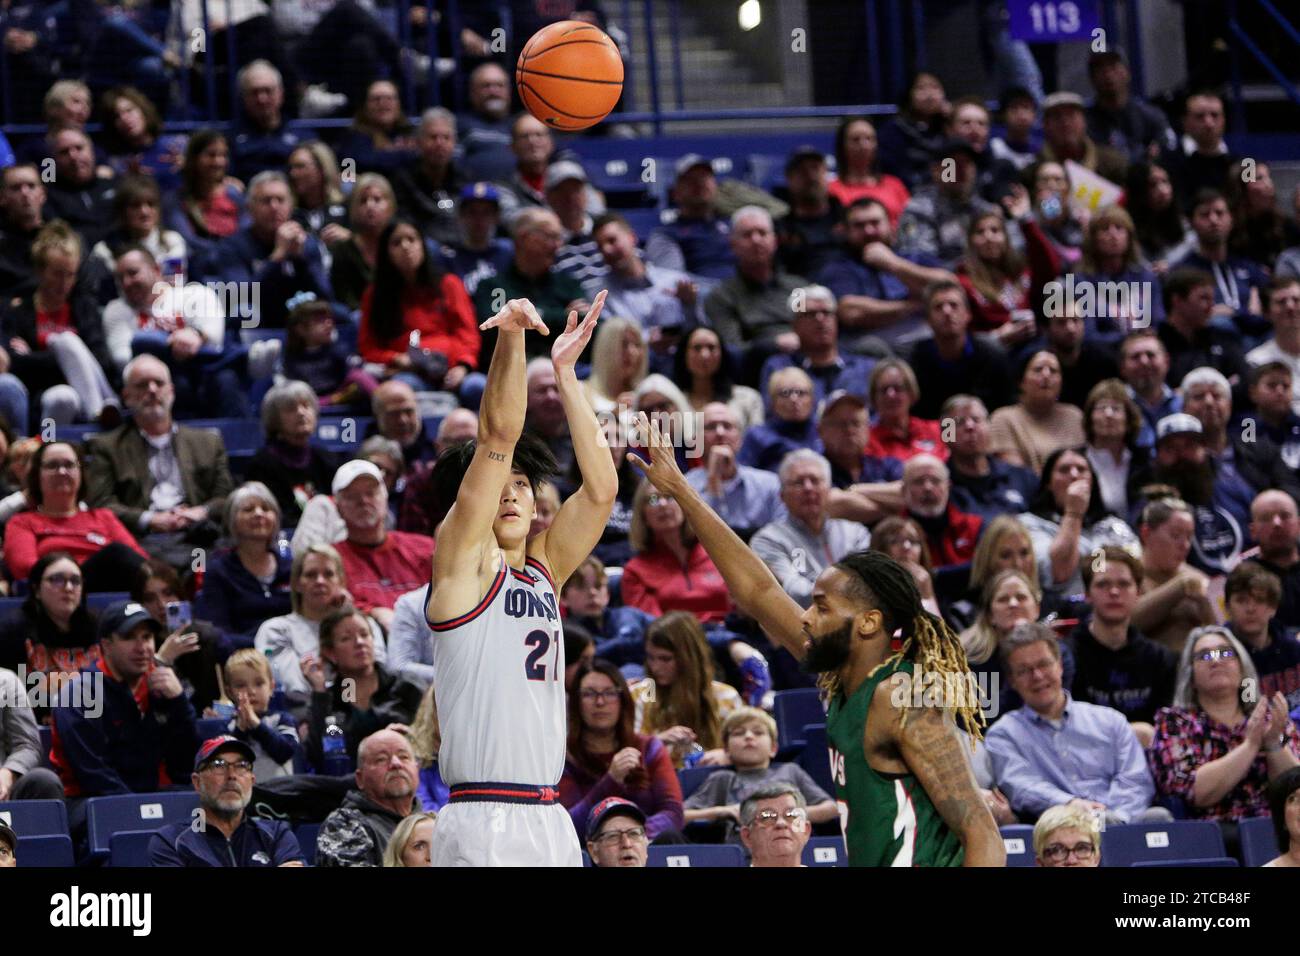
569, 75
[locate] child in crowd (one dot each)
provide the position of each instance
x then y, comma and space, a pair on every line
271, 734
312, 355
1270, 393
749, 735
1253, 593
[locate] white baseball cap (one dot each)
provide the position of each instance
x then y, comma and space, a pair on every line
354, 469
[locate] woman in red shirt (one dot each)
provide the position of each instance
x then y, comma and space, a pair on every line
670, 570
895, 433
411, 293
999, 281
857, 176
608, 758
209, 205
59, 521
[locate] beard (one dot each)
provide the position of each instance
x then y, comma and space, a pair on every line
829, 652
1195, 483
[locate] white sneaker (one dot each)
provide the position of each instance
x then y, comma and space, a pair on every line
263, 356
318, 102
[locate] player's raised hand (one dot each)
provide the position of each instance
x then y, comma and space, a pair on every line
517, 315
576, 335
662, 468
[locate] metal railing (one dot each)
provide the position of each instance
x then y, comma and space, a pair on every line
1247, 42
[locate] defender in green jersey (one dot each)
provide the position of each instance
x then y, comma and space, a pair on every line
904, 784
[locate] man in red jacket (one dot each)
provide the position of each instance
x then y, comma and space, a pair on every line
950, 533
381, 565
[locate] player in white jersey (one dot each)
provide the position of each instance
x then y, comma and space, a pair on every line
498, 644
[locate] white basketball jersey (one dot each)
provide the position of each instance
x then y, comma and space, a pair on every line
500, 684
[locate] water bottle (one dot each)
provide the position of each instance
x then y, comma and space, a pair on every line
335, 749
693, 755
283, 549
277, 695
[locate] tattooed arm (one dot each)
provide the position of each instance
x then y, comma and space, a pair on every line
929, 744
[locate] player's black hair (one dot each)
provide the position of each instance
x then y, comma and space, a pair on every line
532, 457
877, 580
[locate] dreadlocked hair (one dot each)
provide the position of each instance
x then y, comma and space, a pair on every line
927, 641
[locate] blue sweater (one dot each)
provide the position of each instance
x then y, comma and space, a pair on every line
120, 750
254, 843
236, 602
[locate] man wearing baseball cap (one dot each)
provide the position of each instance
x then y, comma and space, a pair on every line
567, 194
1119, 119
935, 219
1220, 499
381, 565
616, 833
1065, 136
808, 236
125, 724
223, 779
477, 252
697, 240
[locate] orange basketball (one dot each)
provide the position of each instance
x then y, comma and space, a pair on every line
569, 75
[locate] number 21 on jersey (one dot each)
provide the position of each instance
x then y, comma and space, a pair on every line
535, 663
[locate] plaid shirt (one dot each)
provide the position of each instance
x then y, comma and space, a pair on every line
1187, 739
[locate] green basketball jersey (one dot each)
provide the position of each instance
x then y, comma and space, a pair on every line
888, 819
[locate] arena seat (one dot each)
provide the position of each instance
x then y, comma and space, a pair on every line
96, 601
306, 834
696, 854
1258, 841
691, 778
793, 710
1161, 842
35, 817
9, 605
1215, 861
53, 850
209, 727
336, 434
1018, 838
77, 433
825, 851
815, 756
129, 848
614, 581
134, 811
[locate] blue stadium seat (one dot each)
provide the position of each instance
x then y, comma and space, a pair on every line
55, 850
134, 811
614, 581
815, 757
129, 848
242, 436
1258, 841
1018, 838
47, 741
306, 834
825, 851
96, 602
35, 817
1161, 842
8, 605
209, 727
343, 434
1216, 861
793, 710
77, 433
586, 860
692, 777
249, 336
696, 854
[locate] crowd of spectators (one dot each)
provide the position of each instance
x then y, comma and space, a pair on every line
1076, 427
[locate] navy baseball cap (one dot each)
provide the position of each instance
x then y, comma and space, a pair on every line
485, 191
210, 748
120, 618
609, 807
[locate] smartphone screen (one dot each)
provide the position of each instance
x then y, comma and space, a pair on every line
178, 615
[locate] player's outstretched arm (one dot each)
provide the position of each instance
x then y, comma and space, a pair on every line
751, 582
933, 750
581, 520
468, 525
